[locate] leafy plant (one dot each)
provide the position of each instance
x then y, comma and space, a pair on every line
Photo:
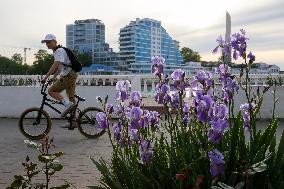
50, 166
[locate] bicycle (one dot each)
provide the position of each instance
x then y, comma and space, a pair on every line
38, 120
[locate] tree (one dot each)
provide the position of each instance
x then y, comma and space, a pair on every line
42, 63
84, 58
11, 66
190, 55
17, 58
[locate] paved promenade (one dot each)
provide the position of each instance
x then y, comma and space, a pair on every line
78, 168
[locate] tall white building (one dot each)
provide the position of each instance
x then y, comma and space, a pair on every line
144, 38
88, 36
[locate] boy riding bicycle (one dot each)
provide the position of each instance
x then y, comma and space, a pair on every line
62, 65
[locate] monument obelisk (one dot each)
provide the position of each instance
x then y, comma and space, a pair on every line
228, 57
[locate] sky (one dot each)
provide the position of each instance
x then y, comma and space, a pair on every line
195, 23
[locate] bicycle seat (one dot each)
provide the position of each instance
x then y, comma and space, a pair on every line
80, 98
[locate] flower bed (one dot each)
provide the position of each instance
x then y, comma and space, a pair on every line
203, 144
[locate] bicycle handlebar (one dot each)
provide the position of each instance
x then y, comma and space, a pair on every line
45, 85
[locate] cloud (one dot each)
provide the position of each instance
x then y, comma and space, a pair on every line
195, 24
264, 25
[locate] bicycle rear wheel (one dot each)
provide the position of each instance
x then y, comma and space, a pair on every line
87, 123
34, 123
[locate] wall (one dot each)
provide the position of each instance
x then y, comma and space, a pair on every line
15, 99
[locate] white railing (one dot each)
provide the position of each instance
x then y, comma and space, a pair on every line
144, 83
19, 92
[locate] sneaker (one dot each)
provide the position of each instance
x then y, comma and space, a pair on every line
67, 109
67, 125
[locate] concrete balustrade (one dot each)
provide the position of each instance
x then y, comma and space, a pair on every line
19, 92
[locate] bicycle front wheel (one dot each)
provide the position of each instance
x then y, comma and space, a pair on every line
34, 123
87, 123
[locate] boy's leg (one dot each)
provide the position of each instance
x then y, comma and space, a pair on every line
70, 90
55, 90
59, 86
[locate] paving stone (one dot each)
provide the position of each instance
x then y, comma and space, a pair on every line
78, 167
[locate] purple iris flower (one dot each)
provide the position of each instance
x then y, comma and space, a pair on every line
157, 66
122, 87
146, 151
134, 134
178, 78
203, 76
245, 110
117, 131
109, 108
202, 81
175, 99
229, 84
251, 57
222, 111
144, 121
135, 113
162, 93
154, 118
117, 109
122, 142
239, 44
186, 108
220, 124
215, 135
185, 119
178, 75
102, 120
223, 70
217, 163
221, 44
135, 98
203, 107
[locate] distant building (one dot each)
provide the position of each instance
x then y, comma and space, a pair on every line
88, 36
195, 67
99, 69
260, 68
144, 38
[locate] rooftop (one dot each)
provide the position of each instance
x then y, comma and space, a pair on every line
88, 21
98, 68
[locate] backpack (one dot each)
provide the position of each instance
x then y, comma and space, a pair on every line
76, 65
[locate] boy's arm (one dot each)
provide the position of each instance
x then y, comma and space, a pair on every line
56, 74
54, 69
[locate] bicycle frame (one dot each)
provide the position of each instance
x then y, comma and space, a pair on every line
45, 101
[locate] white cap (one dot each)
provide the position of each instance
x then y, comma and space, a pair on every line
48, 37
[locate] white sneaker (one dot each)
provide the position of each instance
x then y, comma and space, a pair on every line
67, 125
67, 109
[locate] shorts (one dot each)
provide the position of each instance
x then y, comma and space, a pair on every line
67, 83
